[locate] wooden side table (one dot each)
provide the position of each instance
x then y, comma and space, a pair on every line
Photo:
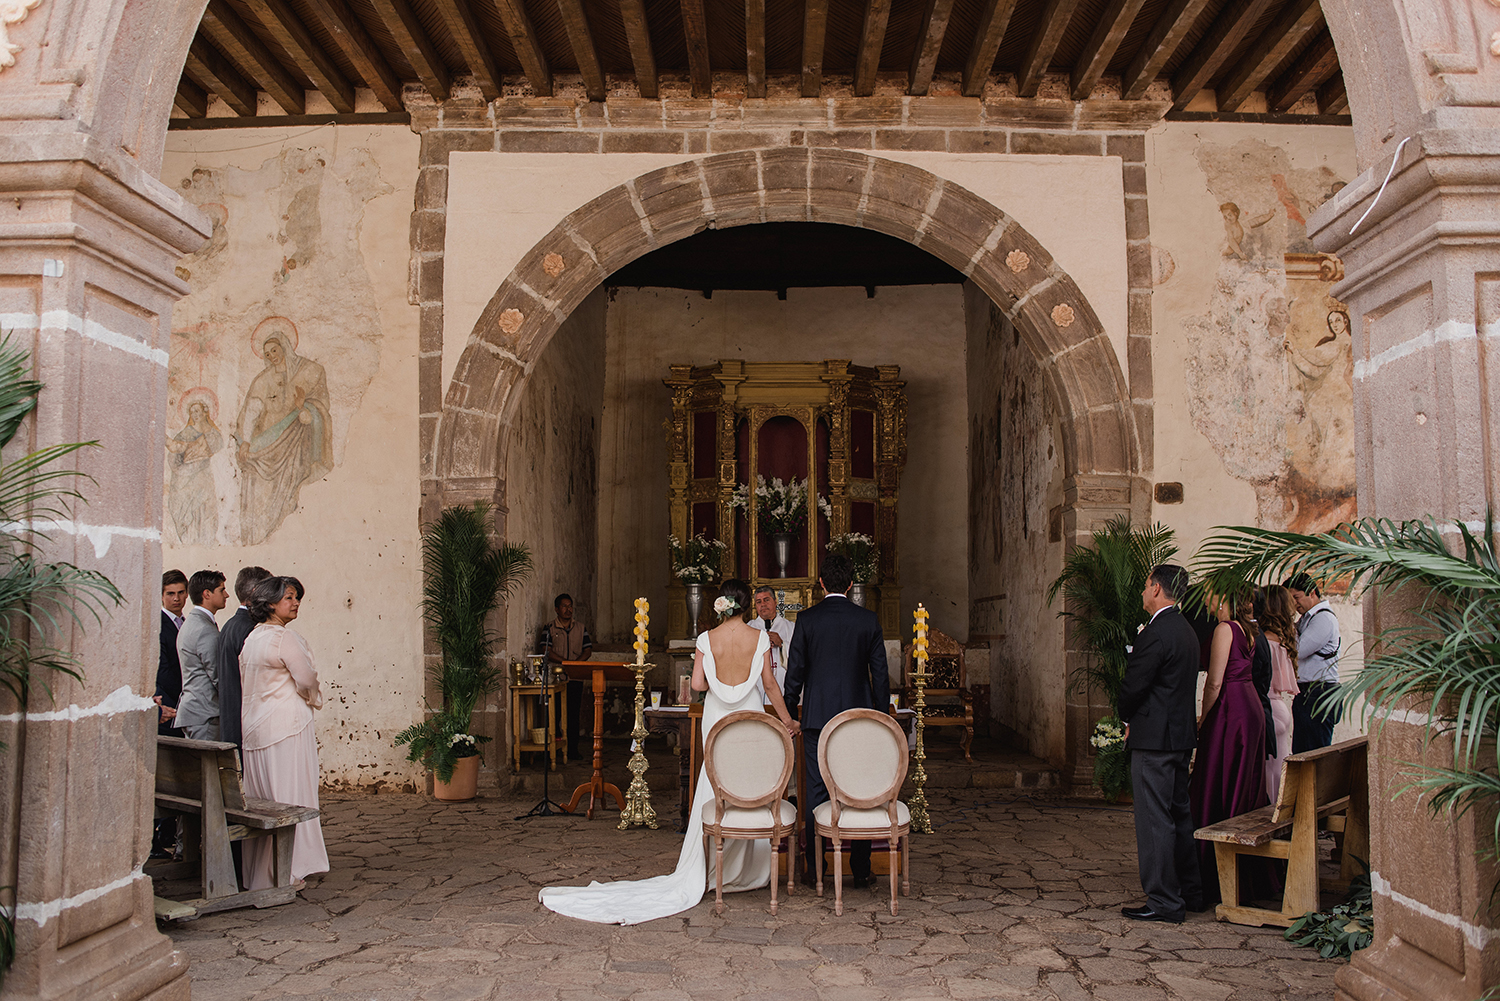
526, 715
596, 787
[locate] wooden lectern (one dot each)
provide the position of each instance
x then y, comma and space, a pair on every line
596, 787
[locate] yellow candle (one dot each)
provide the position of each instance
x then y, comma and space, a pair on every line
642, 632
919, 628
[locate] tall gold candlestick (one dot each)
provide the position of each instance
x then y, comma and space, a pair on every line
638, 809
920, 821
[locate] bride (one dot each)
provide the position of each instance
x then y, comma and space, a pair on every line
733, 665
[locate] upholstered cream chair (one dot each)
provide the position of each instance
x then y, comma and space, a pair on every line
748, 757
862, 755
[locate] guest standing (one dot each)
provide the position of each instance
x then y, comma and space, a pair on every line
197, 650
174, 593
1229, 775
1318, 643
1156, 703
281, 750
227, 659
1276, 623
565, 638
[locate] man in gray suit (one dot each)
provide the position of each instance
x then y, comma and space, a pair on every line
1161, 729
197, 647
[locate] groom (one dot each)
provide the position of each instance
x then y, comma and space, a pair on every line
836, 662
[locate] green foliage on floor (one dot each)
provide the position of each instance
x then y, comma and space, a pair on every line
1341, 931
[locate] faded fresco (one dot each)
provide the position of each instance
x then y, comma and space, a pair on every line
280, 291
1270, 379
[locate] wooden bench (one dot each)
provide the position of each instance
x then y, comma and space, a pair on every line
201, 781
1326, 789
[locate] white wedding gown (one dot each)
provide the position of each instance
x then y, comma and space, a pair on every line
747, 864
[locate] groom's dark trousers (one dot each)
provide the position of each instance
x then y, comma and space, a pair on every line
836, 662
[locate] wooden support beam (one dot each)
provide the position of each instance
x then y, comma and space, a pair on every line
1215, 48
633, 14
1168, 32
1316, 64
191, 99
581, 39
352, 39
523, 38
206, 63
1333, 98
924, 59
871, 41
695, 29
992, 23
292, 35
459, 20
1043, 47
412, 39
232, 35
1297, 20
755, 48
814, 33
1109, 32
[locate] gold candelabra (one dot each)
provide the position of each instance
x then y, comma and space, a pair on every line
638, 809
920, 821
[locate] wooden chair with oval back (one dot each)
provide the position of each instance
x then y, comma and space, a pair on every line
949, 701
748, 757
862, 755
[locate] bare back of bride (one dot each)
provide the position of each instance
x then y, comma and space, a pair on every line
732, 666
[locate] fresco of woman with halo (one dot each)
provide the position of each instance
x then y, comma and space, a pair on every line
190, 488
285, 433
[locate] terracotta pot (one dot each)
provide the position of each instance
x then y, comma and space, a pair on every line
465, 781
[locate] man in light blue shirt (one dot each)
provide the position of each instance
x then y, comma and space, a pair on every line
1318, 643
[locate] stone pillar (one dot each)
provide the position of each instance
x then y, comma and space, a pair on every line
1422, 287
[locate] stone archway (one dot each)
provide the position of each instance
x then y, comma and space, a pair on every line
1105, 434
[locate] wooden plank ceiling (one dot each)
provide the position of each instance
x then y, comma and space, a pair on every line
265, 56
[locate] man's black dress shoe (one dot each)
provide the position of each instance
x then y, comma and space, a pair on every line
1197, 906
860, 882
808, 879
1147, 914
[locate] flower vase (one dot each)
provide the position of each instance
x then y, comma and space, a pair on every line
857, 595
694, 607
781, 550
463, 785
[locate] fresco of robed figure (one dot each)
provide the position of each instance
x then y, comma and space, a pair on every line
190, 491
285, 433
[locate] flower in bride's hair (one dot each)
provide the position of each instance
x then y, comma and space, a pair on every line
725, 606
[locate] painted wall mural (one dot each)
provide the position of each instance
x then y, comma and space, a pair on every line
1270, 377
280, 288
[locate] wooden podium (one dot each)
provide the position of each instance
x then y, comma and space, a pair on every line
596, 787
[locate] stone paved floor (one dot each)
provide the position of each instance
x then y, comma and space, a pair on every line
1011, 898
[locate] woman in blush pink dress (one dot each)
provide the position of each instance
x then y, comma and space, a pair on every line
280, 686
1278, 622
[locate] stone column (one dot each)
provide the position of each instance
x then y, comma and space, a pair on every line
1422, 280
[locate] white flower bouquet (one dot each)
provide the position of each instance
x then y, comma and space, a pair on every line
862, 552
697, 561
780, 505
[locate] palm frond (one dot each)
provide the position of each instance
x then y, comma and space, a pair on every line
18, 392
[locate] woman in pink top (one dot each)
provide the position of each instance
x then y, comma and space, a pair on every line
1278, 622
280, 687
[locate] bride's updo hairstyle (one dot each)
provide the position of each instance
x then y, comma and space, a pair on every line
734, 592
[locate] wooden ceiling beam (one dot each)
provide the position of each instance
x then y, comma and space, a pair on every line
695, 29
206, 63
871, 41
1109, 32
992, 23
1166, 34
1293, 25
1215, 49
1316, 64
190, 99
459, 20
523, 39
581, 40
755, 48
814, 34
637, 33
924, 59
352, 39
412, 39
1333, 97
1043, 47
291, 34
232, 35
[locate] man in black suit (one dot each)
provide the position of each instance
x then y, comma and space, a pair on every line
168, 668
1161, 729
227, 660
836, 662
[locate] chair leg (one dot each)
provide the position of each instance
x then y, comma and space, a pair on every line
906, 863
892, 862
775, 844
838, 877
791, 861
968, 740
818, 861
718, 874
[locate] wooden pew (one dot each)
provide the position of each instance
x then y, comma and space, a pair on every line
1326, 789
201, 781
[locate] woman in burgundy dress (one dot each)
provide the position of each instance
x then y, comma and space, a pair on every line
1229, 775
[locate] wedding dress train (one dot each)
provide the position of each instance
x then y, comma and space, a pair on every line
747, 864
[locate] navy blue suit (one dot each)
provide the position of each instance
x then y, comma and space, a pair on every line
168, 672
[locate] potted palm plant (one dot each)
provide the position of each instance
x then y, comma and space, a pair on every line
465, 577
1101, 585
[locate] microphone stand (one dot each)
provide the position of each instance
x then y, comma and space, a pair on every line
545, 807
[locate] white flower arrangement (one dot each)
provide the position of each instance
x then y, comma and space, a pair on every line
698, 561
725, 606
462, 742
1108, 735
860, 549
780, 506
824, 507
